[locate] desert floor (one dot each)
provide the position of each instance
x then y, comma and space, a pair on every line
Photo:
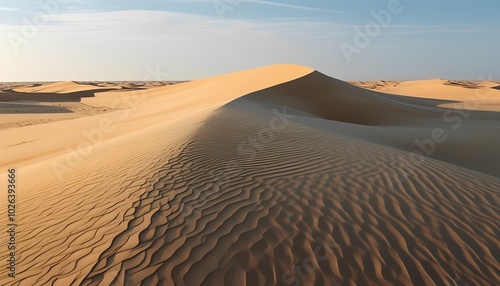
279, 175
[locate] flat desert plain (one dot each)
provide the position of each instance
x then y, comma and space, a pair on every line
279, 175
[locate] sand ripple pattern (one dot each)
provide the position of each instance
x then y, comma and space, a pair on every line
310, 208
63, 226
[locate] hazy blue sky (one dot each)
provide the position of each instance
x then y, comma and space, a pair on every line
190, 39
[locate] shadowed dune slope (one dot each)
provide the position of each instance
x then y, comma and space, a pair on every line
337, 100
274, 176
306, 207
402, 122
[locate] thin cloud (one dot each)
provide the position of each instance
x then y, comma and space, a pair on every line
8, 9
70, 1
271, 3
283, 5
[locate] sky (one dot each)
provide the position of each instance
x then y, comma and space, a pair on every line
111, 40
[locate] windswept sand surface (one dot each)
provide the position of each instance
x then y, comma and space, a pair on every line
273, 176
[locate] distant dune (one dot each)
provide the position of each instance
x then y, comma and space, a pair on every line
274, 176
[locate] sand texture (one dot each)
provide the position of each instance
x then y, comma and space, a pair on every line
279, 175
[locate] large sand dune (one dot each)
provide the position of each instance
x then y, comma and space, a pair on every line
273, 176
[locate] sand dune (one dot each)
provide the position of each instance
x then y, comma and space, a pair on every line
53, 92
470, 95
60, 87
273, 176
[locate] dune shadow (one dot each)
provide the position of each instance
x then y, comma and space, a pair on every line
321, 96
21, 108
11, 95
